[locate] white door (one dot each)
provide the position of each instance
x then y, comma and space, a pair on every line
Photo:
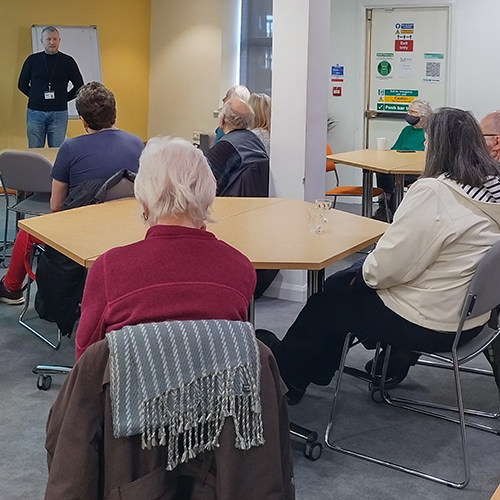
407, 57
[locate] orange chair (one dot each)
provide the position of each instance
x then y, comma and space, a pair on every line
349, 190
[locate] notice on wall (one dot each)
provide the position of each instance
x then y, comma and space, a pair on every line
403, 37
395, 99
337, 73
385, 65
433, 67
405, 67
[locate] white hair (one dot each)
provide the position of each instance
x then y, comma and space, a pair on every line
423, 108
174, 178
239, 91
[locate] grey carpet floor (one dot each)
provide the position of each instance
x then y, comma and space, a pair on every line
362, 424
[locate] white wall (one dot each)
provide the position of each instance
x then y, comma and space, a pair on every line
298, 122
474, 69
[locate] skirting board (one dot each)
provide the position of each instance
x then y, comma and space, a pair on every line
289, 285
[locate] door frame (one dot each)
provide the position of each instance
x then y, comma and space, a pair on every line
364, 62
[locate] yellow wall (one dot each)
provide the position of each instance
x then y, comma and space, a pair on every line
123, 33
185, 66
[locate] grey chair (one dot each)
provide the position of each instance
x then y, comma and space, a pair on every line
483, 295
25, 172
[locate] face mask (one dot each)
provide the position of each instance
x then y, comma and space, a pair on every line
412, 120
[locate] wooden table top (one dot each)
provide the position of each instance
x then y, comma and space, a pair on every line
272, 232
389, 162
47, 153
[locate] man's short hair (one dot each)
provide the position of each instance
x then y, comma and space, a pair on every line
235, 118
48, 29
96, 105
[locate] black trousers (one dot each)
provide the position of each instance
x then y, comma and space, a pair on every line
312, 347
387, 183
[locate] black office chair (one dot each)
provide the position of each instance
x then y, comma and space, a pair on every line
252, 182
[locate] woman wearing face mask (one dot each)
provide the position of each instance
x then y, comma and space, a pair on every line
411, 138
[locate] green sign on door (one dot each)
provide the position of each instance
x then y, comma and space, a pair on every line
384, 68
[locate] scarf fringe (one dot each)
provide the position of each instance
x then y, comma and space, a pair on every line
188, 419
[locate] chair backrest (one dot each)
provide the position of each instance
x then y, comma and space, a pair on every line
252, 182
330, 165
206, 141
483, 293
25, 171
124, 189
267, 468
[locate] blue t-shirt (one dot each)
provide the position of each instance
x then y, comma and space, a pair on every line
96, 156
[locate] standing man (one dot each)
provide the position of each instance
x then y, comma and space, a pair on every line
44, 79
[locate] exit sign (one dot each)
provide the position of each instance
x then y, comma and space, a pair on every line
403, 45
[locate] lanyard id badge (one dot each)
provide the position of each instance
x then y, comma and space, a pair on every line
50, 94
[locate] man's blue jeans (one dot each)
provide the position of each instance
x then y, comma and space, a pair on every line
50, 124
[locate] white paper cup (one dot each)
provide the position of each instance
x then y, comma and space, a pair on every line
381, 143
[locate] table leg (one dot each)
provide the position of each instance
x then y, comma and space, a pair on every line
398, 189
251, 311
312, 447
315, 282
366, 199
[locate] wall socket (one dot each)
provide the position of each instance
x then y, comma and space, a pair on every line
196, 137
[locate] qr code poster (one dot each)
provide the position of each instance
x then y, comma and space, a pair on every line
433, 67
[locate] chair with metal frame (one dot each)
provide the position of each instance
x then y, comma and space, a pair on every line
35, 252
483, 295
25, 172
339, 190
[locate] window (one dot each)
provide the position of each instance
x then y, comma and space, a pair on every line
256, 45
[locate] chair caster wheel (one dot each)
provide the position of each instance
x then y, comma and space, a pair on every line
376, 394
312, 451
44, 382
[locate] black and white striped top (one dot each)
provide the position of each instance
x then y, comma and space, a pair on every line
489, 192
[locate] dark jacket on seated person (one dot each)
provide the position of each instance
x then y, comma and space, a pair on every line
232, 154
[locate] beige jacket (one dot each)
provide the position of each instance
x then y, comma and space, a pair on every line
423, 264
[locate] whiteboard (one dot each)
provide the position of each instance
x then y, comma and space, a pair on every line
80, 42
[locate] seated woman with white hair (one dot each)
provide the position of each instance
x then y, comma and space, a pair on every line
179, 271
411, 138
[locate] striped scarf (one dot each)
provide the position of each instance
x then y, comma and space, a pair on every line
176, 382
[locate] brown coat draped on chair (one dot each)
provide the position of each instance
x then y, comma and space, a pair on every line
86, 462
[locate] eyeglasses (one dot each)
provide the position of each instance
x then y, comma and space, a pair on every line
490, 135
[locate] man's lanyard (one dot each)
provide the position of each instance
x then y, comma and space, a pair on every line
47, 68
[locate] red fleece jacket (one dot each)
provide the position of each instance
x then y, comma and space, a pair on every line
175, 273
